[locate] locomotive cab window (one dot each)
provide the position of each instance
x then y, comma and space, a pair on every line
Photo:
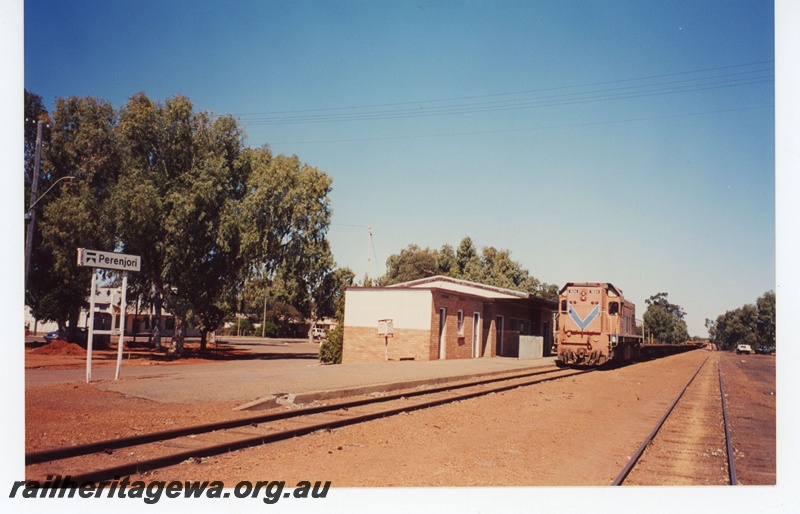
563, 306
613, 307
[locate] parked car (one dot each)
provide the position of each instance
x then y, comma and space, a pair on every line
766, 350
319, 333
57, 334
52, 336
744, 348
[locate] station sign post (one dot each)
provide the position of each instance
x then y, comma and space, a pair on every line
115, 261
386, 330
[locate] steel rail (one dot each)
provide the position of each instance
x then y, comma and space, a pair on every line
124, 442
728, 441
635, 458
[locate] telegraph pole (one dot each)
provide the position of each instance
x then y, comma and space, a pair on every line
370, 249
34, 193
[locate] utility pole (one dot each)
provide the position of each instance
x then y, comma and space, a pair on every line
369, 249
264, 320
34, 193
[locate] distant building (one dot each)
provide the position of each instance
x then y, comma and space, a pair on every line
36, 327
441, 318
139, 321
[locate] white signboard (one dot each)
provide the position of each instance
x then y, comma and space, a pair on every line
385, 328
108, 260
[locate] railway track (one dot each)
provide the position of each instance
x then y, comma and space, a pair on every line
691, 443
111, 459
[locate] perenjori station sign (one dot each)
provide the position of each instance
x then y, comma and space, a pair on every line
108, 260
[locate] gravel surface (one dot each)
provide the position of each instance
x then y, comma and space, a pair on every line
690, 448
751, 398
575, 431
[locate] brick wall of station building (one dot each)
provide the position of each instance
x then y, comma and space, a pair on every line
459, 345
363, 344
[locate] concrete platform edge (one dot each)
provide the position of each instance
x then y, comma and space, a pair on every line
273, 401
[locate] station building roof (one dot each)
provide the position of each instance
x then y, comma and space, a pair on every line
458, 286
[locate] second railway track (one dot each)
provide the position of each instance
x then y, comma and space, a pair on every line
691, 444
107, 460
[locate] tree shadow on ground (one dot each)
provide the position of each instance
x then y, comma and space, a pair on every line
219, 352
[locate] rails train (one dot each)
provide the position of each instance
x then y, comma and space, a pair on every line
597, 326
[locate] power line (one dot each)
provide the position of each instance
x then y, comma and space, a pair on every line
527, 129
556, 96
560, 100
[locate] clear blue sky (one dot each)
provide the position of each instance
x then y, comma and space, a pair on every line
629, 142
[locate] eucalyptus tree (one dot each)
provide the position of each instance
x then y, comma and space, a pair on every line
469, 262
664, 320
285, 217
177, 205
139, 208
766, 319
204, 261
411, 263
155, 137
82, 145
313, 285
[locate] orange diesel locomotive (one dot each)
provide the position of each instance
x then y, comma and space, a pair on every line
596, 325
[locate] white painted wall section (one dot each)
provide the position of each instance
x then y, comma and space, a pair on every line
408, 308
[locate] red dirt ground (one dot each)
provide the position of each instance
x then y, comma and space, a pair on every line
575, 431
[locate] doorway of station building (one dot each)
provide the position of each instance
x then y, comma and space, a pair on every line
500, 329
476, 335
442, 323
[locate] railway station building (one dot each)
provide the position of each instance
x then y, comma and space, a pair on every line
441, 318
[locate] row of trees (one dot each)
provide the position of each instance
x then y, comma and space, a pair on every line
490, 266
749, 324
220, 227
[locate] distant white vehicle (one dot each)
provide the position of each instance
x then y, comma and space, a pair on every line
318, 333
744, 348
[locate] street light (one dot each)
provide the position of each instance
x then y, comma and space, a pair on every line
30, 209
